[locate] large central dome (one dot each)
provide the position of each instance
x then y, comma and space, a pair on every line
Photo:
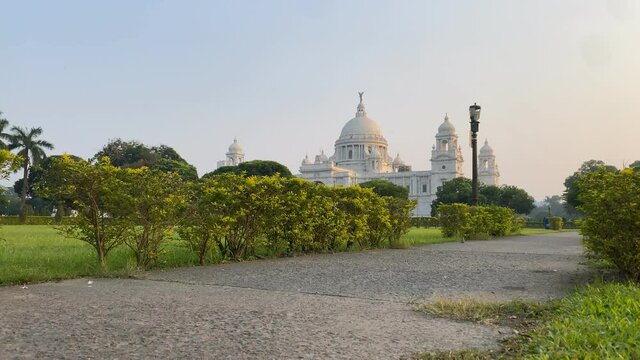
361, 127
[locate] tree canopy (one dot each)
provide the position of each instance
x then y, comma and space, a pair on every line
572, 189
253, 168
133, 154
386, 188
458, 190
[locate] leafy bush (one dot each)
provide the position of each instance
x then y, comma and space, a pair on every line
243, 216
611, 204
454, 219
472, 222
556, 223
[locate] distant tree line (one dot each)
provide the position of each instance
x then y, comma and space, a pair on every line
458, 191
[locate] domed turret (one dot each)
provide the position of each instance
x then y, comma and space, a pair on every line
375, 154
306, 160
486, 149
398, 161
446, 128
488, 169
235, 147
235, 155
321, 158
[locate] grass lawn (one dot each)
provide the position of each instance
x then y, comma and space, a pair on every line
425, 236
35, 253
536, 231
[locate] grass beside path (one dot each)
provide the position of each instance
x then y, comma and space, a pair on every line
35, 253
537, 231
599, 321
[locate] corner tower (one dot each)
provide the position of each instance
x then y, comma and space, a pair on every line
446, 156
488, 172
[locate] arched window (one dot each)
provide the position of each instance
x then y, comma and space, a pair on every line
350, 154
444, 145
485, 164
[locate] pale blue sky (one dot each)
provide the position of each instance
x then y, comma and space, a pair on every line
558, 80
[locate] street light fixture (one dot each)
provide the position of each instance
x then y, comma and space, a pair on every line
474, 114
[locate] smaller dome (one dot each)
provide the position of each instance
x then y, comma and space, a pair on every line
398, 160
375, 154
446, 128
306, 160
486, 149
322, 158
235, 148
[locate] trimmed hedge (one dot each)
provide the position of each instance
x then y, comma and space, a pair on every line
475, 222
556, 223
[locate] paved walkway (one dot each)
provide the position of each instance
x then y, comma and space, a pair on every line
347, 305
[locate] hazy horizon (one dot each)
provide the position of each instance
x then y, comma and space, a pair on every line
557, 81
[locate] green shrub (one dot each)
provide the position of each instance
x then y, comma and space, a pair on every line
611, 204
518, 223
556, 223
454, 219
501, 220
474, 222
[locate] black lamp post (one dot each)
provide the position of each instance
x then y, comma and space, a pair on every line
474, 113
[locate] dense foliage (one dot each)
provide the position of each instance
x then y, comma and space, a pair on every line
31, 150
132, 154
253, 168
386, 188
611, 204
572, 190
98, 192
239, 216
473, 222
458, 191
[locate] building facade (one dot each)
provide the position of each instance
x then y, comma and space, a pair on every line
362, 154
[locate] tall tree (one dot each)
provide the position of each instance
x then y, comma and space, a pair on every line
456, 190
571, 183
133, 155
253, 168
386, 188
4, 123
517, 199
31, 150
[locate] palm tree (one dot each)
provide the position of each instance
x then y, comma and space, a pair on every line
4, 123
31, 150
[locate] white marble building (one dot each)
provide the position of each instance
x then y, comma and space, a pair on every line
234, 156
362, 154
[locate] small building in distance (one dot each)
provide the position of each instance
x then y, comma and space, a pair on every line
234, 156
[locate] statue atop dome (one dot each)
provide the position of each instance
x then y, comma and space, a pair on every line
360, 93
